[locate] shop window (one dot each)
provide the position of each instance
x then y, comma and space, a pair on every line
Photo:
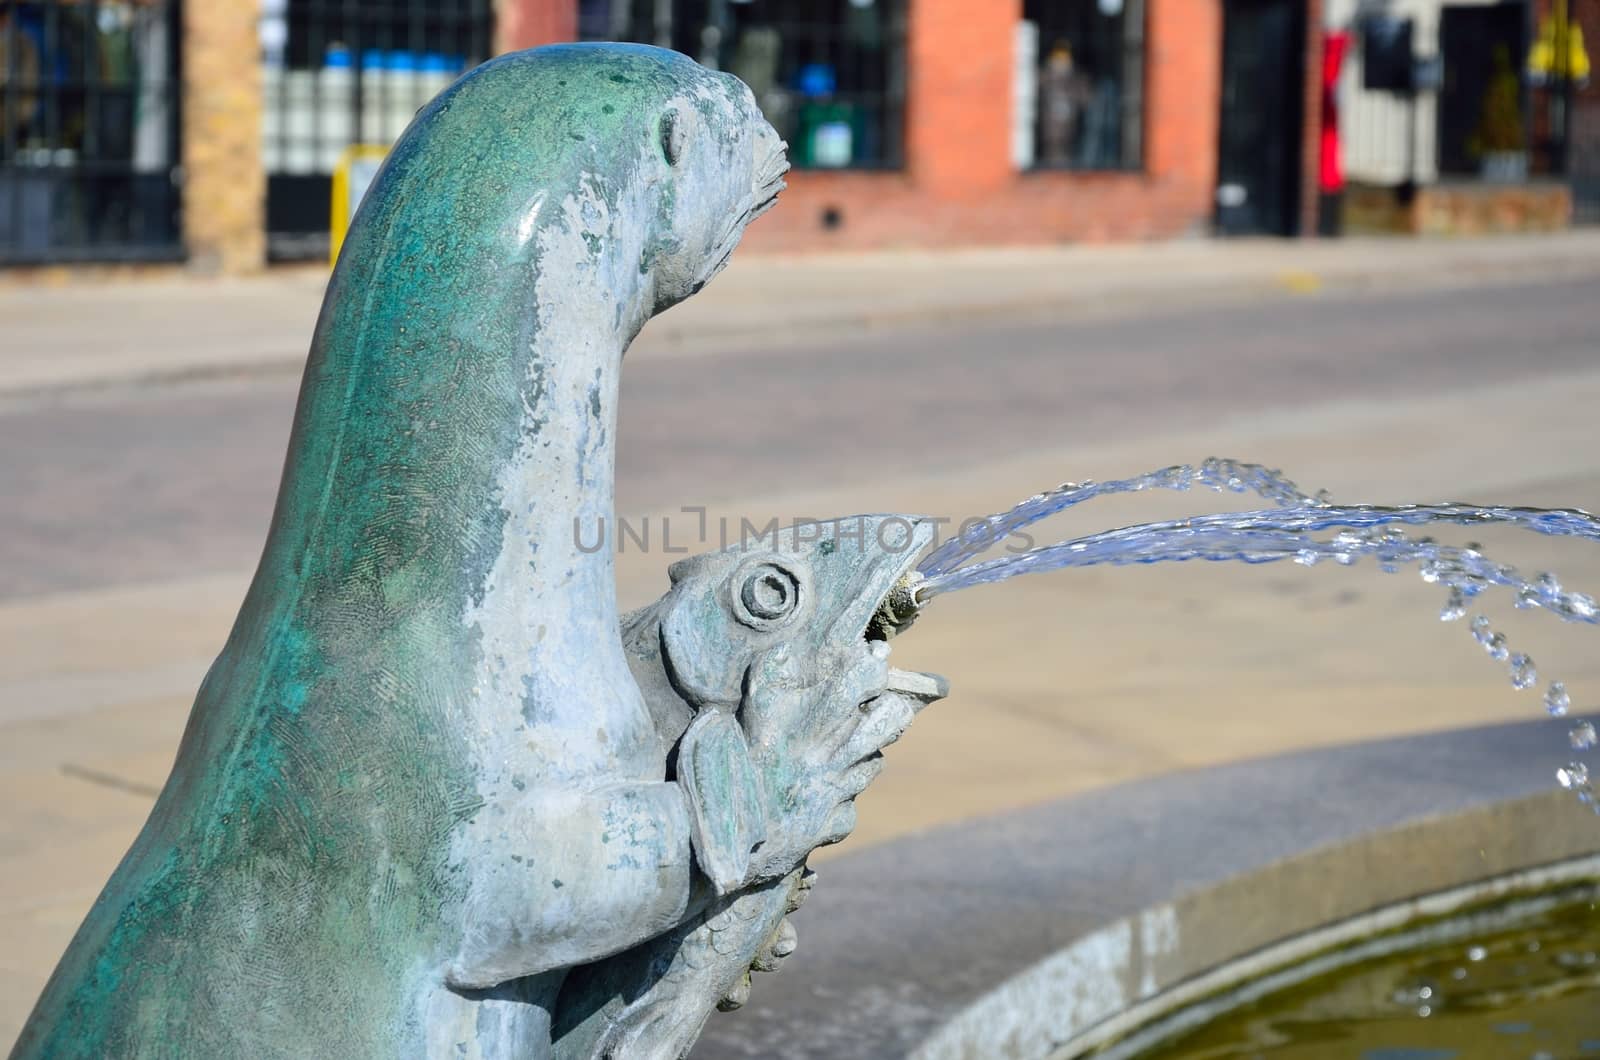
336, 73
1080, 85
88, 131
828, 74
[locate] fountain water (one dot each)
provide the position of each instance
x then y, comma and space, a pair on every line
1290, 531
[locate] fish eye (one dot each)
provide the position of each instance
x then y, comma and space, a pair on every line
673, 134
766, 595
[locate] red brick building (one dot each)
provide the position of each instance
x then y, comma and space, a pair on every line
210, 133
958, 181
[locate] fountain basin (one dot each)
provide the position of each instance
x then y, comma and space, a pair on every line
1518, 975
1053, 931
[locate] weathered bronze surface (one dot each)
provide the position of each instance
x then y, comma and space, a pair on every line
435, 797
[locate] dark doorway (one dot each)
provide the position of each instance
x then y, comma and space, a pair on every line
1263, 89
1481, 48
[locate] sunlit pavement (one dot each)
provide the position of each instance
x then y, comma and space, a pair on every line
133, 513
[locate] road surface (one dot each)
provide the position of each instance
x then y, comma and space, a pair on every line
132, 517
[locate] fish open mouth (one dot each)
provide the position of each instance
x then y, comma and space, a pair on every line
894, 613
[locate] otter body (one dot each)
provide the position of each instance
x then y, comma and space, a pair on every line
425, 659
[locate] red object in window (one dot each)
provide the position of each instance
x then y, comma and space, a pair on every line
1330, 178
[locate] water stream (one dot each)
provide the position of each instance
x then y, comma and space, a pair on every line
1306, 529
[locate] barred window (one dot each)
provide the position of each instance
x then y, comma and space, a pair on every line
88, 131
828, 74
337, 73
1080, 85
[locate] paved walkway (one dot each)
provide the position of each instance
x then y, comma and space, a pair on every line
94, 334
1062, 684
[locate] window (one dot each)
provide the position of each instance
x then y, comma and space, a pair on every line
828, 74
337, 73
88, 131
1080, 84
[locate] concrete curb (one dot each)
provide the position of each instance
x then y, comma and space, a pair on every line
1012, 936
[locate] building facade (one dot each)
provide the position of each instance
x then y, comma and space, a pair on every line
919, 123
154, 130
1453, 120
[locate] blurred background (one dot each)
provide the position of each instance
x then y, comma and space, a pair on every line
1024, 241
147, 130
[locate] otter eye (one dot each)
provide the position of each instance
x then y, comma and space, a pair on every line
766, 596
673, 135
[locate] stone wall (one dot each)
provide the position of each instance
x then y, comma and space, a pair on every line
224, 190
1459, 209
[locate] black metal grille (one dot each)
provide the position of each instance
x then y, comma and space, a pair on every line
343, 72
1081, 85
1583, 163
89, 103
829, 74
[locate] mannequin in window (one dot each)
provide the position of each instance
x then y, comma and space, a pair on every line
1062, 93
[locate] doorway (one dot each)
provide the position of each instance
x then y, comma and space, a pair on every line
1263, 90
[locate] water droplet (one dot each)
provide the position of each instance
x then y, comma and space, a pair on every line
1556, 700
1307, 557
1455, 606
1527, 599
1476, 953
1425, 992
1573, 775
1583, 605
1523, 673
1582, 736
1424, 1011
1345, 559
1496, 647
1458, 974
1547, 584
1430, 572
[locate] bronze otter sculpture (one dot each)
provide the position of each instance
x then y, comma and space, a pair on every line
435, 797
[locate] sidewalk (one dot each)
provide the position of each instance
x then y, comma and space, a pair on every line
97, 334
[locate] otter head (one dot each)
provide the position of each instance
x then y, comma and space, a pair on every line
714, 164
632, 170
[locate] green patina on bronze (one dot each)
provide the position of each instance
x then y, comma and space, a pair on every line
289, 888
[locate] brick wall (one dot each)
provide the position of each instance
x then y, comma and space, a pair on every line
530, 23
224, 189
1311, 131
958, 186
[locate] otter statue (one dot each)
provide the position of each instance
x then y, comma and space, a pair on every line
435, 796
